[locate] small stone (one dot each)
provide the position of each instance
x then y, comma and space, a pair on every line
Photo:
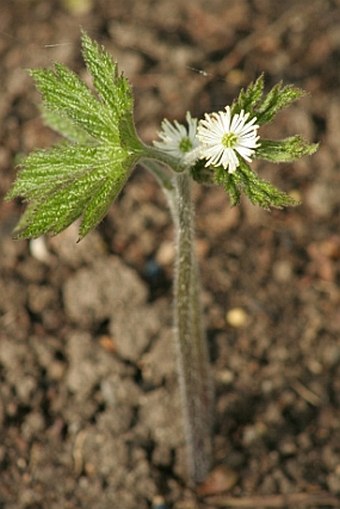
39, 250
158, 502
166, 253
221, 479
282, 271
225, 376
237, 317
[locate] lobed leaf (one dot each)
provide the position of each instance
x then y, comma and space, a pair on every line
114, 90
278, 98
65, 93
285, 151
59, 122
265, 106
100, 202
82, 176
259, 191
248, 98
56, 206
226, 180
43, 170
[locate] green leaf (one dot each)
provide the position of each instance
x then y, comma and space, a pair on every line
227, 181
83, 175
114, 90
265, 106
278, 98
46, 170
65, 93
100, 201
285, 151
60, 123
259, 191
64, 183
248, 98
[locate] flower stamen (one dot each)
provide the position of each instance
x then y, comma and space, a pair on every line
185, 145
229, 140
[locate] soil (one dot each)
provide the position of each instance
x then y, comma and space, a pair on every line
89, 405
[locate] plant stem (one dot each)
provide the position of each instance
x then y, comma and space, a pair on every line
161, 174
190, 339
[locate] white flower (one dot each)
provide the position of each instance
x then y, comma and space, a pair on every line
224, 137
179, 141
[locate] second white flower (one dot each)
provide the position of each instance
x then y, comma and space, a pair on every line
224, 137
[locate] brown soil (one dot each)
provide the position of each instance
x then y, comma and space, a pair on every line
89, 408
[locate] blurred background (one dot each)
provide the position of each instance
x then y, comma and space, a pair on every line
89, 409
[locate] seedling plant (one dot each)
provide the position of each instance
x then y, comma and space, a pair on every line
83, 174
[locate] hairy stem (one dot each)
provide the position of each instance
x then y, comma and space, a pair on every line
161, 174
191, 346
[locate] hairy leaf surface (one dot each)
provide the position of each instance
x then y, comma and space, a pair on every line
82, 175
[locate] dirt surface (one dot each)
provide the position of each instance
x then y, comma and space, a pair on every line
89, 405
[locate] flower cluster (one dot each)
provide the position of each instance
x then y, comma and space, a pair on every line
218, 148
220, 139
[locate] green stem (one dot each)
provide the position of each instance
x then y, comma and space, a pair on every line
153, 153
160, 172
191, 345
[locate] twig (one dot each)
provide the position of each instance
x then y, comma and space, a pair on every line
289, 500
306, 394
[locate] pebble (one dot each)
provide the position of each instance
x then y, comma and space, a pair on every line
39, 250
225, 376
166, 253
237, 317
159, 503
282, 271
221, 479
